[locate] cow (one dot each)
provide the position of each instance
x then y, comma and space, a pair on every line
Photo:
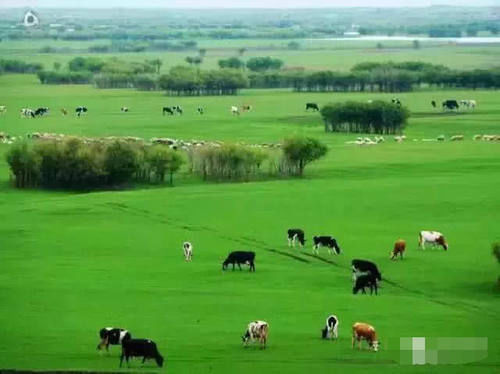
450, 104
112, 336
124, 109
3, 109
144, 348
64, 112
396, 101
327, 241
80, 110
177, 109
433, 237
256, 330
246, 108
365, 280
200, 110
433, 103
27, 113
363, 266
240, 257
168, 110
235, 110
399, 248
39, 112
470, 104
296, 235
455, 138
331, 329
364, 331
188, 250
312, 106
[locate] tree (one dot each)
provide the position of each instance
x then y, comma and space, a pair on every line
299, 151
119, 162
157, 63
196, 60
202, 52
57, 66
264, 63
231, 63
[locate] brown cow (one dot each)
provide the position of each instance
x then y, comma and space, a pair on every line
399, 248
360, 331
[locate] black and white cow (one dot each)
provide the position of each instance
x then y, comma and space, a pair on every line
188, 250
256, 330
168, 110
177, 109
144, 348
396, 101
3, 109
124, 109
27, 113
80, 110
39, 112
296, 235
312, 106
450, 105
331, 329
240, 257
365, 280
363, 267
326, 241
200, 110
112, 336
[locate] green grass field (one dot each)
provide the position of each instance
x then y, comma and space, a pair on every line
71, 263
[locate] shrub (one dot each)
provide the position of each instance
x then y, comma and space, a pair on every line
299, 151
119, 162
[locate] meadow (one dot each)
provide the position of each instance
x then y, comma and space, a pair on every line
72, 263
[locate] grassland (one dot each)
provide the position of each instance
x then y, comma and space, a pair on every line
71, 263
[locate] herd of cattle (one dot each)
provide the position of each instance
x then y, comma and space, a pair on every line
365, 274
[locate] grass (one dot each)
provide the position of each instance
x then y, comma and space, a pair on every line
72, 263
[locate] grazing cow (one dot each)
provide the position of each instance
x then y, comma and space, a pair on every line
200, 110
64, 112
112, 336
80, 110
396, 101
331, 329
3, 109
235, 110
327, 241
470, 104
296, 234
362, 266
124, 109
177, 109
188, 250
144, 348
240, 257
168, 110
455, 138
365, 280
433, 103
364, 331
256, 330
27, 113
246, 108
433, 237
450, 105
399, 248
41, 111
312, 106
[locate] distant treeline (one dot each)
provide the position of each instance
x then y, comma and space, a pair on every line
16, 66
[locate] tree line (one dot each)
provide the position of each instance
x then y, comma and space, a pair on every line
17, 66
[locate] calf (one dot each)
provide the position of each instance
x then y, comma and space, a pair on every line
399, 248
256, 330
365, 280
296, 234
331, 329
364, 331
433, 237
240, 257
312, 106
144, 348
112, 336
363, 266
327, 241
188, 250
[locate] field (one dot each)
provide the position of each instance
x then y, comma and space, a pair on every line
71, 263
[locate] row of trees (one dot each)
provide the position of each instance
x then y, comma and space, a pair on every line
16, 66
378, 117
255, 64
143, 46
73, 164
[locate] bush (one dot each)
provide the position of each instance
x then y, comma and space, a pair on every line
57, 77
119, 162
16, 66
264, 63
299, 151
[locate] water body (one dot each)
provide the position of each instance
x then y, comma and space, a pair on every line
378, 38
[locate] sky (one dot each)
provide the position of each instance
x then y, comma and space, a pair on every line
235, 3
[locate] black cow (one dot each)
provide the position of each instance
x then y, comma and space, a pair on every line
240, 257
80, 110
396, 101
365, 280
312, 106
200, 110
144, 348
168, 110
112, 336
433, 103
363, 266
41, 111
296, 234
450, 104
326, 241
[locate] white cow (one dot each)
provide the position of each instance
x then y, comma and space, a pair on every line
3, 109
235, 110
432, 237
256, 330
188, 250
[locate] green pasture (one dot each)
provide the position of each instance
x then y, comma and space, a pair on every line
72, 263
